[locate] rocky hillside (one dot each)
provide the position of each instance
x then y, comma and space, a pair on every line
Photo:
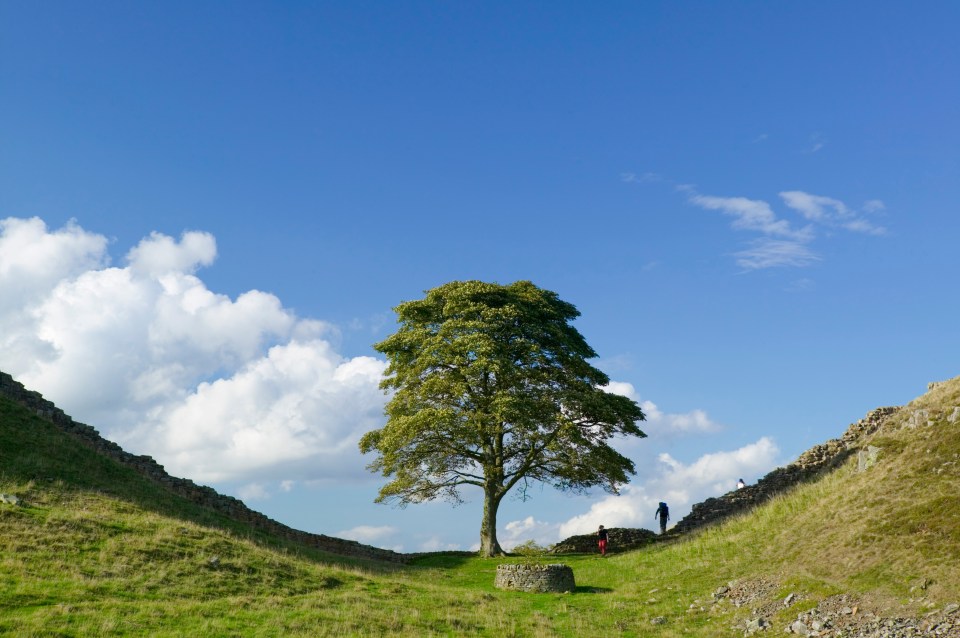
201, 495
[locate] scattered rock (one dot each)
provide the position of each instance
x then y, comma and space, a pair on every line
756, 624
10, 499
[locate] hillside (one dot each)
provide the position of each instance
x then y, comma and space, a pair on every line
96, 547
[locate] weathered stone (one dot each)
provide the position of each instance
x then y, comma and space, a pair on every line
867, 458
10, 499
755, 625
535, 578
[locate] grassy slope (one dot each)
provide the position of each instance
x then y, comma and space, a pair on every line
97, 550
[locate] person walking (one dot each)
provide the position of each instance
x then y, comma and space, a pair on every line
664, 513
602, 540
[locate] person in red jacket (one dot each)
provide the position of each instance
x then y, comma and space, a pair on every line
602, 540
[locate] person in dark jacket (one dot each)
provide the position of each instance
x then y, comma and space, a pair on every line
602, 540
664, 513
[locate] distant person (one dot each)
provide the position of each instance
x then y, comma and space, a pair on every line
664, 513
602, 540
741, 484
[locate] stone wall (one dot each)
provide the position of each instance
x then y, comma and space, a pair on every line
619, 539
819, 458
200, 494
535, 578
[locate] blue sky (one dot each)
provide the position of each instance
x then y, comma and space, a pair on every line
207, 212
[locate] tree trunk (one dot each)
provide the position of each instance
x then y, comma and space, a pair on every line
489, 546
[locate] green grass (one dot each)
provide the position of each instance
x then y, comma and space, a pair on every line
97, 550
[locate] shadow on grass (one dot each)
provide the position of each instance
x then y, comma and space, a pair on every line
589, 589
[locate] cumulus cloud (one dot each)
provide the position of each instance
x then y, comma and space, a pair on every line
659, 423
678, 484
661, 476
518, 532
216, 388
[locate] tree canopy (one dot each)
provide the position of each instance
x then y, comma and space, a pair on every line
491, 388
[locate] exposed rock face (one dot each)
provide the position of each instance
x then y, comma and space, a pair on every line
819, 458
619, 539
200, 494
535, 578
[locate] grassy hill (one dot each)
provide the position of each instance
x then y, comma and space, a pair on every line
97, 549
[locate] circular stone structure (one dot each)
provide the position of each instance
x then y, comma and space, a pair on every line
535, 578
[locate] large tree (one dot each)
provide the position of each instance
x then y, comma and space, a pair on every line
492, 388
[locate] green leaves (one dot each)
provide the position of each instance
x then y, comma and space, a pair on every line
491, 386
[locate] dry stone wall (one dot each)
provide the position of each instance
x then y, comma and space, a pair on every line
200, 494
817, 459
619, 539
535, 578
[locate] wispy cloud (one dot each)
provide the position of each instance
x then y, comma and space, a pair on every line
834, 213
817, 142
782, 243
772, 253
752, 214
643, 178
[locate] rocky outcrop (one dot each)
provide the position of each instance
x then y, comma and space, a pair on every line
202, 495
818, 459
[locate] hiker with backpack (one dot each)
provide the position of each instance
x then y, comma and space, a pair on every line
602, 540
664, 513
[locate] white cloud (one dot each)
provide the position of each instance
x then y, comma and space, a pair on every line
679, 485
159, 254
658, 423
781, 243
437, 544
695, 421
752, 214
517, 532
368, 533
253, 492
216, 389
645, 178
833, 213
771, 253
817, 142
32, 261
